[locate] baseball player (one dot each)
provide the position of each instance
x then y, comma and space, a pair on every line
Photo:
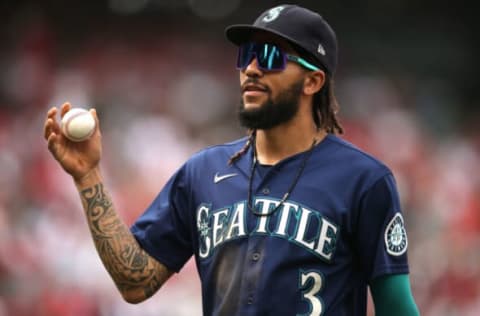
291, 220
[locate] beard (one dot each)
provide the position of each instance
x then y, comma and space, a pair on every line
272, 112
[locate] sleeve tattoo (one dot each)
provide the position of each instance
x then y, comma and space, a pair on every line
134, 272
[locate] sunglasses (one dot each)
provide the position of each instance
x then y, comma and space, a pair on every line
269, 57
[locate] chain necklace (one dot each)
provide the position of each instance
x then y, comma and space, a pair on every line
250, 206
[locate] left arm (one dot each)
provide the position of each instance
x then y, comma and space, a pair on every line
392, 296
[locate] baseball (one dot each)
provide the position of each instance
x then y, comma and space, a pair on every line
78, 124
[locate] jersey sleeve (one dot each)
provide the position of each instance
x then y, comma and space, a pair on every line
381, 239
164, 229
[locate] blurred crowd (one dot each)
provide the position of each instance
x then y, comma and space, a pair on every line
160, 99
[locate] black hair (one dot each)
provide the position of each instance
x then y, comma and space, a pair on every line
250, 141
325, 108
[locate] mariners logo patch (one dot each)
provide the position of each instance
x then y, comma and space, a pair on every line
396, 236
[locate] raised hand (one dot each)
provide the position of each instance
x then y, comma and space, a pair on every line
79, 159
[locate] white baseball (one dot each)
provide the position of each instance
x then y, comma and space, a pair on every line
78, 124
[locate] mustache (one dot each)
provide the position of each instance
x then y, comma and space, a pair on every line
256, 82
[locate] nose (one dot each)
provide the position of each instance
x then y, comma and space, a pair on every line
252, 69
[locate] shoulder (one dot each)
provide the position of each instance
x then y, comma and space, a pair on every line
354, 163
219, 153
206, 162
214, 158
344, 150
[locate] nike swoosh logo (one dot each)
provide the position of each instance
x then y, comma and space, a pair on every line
219, 178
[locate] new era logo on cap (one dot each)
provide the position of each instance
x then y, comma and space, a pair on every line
321, 50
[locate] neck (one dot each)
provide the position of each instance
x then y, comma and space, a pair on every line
286, 140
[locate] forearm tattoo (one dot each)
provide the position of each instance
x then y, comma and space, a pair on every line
129, 266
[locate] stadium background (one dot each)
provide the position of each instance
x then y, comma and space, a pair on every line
162, 77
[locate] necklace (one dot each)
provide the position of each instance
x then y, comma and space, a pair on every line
250, 206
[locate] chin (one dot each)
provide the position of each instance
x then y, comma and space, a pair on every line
251, 105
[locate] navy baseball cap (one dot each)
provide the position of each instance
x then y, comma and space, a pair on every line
306, 30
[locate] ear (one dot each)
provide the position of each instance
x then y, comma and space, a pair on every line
314, 81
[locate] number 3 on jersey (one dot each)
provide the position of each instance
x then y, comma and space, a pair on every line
311, 282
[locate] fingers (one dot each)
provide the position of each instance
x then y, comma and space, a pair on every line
95, 115
52, 131
51, 141
52, 112
97, 121
65, 108
52, 144
51, 125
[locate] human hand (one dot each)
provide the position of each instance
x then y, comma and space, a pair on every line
79, 159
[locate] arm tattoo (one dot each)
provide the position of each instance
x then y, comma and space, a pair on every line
131, 267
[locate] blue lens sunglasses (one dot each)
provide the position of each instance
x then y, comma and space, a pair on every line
269, 57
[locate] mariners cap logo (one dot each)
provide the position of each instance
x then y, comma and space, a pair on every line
272, 14
396, 236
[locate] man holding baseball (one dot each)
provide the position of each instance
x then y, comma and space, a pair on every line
291, 220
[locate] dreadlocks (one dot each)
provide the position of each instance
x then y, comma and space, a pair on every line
325, 108
243, 150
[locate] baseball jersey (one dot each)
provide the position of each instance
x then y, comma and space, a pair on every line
341, 227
